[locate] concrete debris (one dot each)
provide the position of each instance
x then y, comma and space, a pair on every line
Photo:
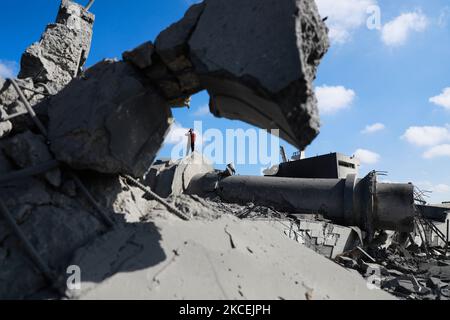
325, 238
173, 178
402, 269
237, 80
5, 127
48, 65
63, 49
141, 57
173, 49
142, 264
108, 121
80, 186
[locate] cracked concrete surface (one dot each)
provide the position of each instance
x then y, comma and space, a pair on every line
199, 263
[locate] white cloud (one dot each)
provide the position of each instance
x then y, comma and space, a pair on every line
443, 99
438, 151
332, 99
7, 69
397, 31
202, 111
442, 188
427, 136
438, 188
344, 16
367, 156
373, 128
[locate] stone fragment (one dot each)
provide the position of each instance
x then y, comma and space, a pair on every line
62, 49
141, 56
172, 43
108, 121
173, 50
5, 128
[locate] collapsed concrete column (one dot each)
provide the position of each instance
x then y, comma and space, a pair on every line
351, 202
49, 65
63, 49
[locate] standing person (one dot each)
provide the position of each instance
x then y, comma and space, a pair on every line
192, 137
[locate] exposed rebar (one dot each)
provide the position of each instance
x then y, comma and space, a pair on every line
30, 250
29, 108
89, 5
147, 190
28, 172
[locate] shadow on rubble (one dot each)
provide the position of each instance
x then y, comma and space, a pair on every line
124, 248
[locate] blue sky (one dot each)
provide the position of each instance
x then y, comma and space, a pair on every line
382, 91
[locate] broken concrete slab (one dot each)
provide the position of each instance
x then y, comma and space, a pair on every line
109, 121
141, 56
54, 223
325, 238
200, 263
258, 60
172, 43
5, 128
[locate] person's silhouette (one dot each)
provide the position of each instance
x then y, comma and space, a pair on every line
192, 138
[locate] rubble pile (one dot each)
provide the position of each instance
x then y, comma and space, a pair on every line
79, 185
73, 139
408, 269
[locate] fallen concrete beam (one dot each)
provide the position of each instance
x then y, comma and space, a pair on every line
258, 59
351, 202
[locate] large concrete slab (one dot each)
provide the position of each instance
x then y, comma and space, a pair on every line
108, 121
222, 259
258, 60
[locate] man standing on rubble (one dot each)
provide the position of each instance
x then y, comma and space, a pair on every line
191, 140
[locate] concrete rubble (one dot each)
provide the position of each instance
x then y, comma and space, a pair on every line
48, 65
79, 184
90, 118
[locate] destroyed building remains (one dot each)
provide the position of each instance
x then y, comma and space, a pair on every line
79, 184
